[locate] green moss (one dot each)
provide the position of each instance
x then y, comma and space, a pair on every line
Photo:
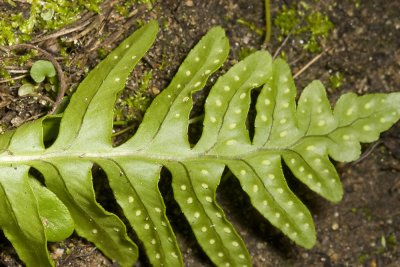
124, 7
9, 25
102, 52
48, 15
287, 20
363, 258
14, 60
336, 80
303, 21
319, 24
40, 16
26, 57
251, 26
4, 74
391, 241
132, 108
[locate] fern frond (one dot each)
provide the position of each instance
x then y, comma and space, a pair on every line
301, 134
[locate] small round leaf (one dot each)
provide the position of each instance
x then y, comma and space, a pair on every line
26, 89
42, 69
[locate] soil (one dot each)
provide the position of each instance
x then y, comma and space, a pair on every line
361, 230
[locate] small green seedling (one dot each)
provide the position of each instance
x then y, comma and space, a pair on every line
336, 80
27, 89
41, 15
42, 69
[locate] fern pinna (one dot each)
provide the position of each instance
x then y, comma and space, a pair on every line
302, 135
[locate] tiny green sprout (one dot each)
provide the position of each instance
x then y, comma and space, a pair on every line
357, 3
391, 240
251, 26
336, 80
363, 258
27, 89
383, 241
42, 69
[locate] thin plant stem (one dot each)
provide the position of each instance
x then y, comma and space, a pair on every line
267, 22
127, 129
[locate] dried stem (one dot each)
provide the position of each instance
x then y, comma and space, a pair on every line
311, 62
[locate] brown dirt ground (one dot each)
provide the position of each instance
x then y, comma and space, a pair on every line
364, 228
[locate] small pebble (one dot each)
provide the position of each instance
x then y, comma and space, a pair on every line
58, 252
155, 90
261, 245
17, 121
335, 226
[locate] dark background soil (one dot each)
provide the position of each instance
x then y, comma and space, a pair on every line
364, 228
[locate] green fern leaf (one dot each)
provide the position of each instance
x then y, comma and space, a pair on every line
303, 135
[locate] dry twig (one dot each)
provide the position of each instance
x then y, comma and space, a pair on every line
311, 62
